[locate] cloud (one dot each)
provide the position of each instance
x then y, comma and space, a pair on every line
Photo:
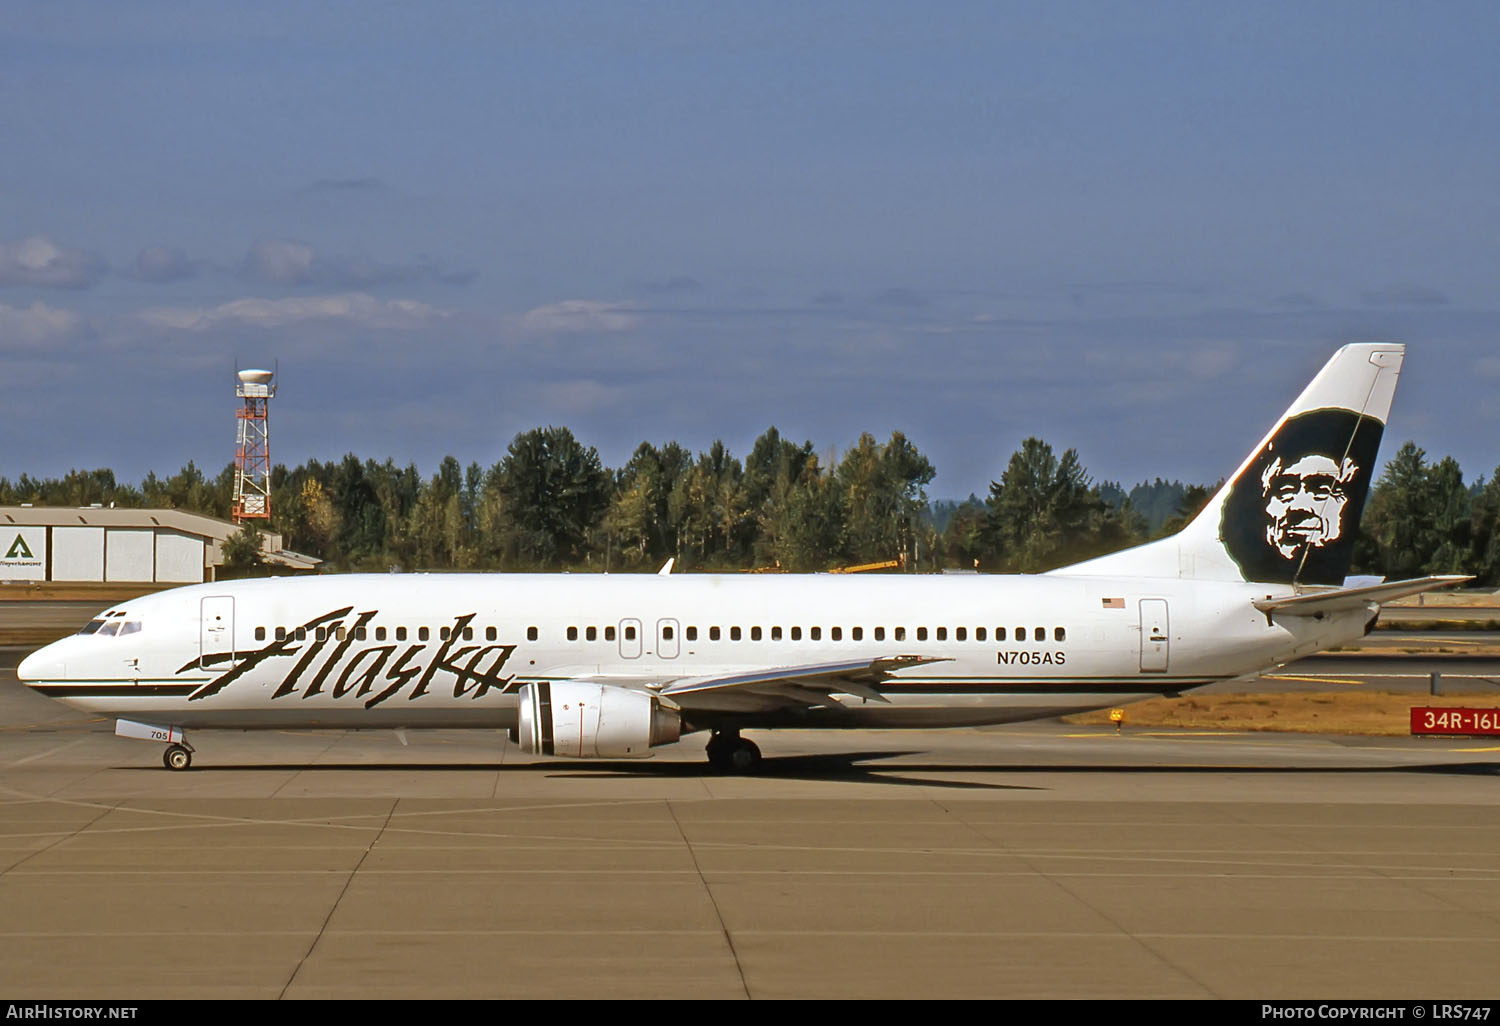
37, 260
355, 308
1404, 295
581, 395
1298, 301
900, 297
674, 285
579, 315
38, 325
163, 264
288, 263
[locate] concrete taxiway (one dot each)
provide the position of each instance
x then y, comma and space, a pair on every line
1033, 861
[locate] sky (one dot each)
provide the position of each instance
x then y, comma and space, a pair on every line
1131, 229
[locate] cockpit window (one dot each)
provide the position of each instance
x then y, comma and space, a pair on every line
129, 627
91, 626
111, 627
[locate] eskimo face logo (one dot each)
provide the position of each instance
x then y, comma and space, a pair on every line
1305, 502
1293, 513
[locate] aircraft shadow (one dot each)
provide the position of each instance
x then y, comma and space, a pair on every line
843, 767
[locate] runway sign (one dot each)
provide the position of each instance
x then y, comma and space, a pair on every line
1460, 722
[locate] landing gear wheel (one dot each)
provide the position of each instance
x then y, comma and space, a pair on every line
729, 753
177, 757
744, 757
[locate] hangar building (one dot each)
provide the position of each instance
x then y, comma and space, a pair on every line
138, 546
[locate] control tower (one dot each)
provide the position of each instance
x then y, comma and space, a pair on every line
252, 455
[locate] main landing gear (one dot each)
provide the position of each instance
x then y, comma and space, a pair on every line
730, 753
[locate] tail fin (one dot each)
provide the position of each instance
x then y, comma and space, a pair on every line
1290, 513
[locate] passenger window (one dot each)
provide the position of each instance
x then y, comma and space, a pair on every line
879, 633
423, 634
572, 633
592, 634
609, 633
281, 634
960, 634
301, 633
322, 633
359, 634
796, 633
999, 633
341, 633
531, 634
666, 633
815, 633
379, 633
260, 633
630, 633
775, 633
443, 633
713, 634
921, 633
754, 633
1039, 634
900, 634
979, 635
1058, 634
734, 634
836, 633
1020, 632
468, 634
692, 634
490, 634
857, 633
400, 633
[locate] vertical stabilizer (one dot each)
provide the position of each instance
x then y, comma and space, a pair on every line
1290, 513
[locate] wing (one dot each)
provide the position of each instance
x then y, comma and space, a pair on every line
779, 687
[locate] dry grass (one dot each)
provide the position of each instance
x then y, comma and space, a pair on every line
1372, 713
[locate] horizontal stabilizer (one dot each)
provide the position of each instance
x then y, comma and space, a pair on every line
1340, 599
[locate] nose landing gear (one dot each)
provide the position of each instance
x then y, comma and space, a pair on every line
179, 754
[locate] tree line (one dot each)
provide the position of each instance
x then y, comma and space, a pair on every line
551, 504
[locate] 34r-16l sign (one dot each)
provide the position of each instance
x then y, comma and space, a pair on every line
1460, 722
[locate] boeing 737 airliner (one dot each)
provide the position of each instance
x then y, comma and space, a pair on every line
611, 666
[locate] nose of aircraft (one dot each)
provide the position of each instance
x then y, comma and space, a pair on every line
43, 664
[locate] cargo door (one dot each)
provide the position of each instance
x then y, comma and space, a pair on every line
216, 632
1154, 636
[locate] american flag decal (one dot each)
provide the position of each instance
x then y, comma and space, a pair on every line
1114, 603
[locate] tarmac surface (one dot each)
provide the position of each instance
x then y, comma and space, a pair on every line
1026, 861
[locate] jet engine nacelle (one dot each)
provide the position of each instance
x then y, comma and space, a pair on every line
593, 721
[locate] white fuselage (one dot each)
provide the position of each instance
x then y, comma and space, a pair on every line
452, 650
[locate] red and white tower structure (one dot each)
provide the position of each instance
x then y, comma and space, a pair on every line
252, 455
